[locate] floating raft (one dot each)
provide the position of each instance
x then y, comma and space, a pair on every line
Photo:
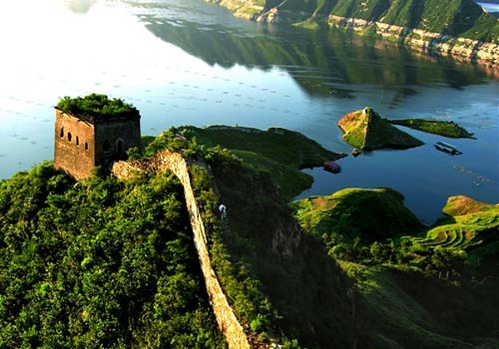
447, 148
332, 166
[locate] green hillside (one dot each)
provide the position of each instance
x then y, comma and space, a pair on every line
458, 18
108, 264
354, 213
374, 226
99, 264
417, 287
473, 228
278, 152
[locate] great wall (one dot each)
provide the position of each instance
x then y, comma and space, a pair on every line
227, 321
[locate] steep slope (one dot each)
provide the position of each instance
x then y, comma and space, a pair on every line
279, 281
463, 18
306, 287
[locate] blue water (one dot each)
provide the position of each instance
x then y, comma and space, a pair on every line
188, 62
489, 7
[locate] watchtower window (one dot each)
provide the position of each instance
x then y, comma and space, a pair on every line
77, 140
69, 136
86, 146
121, 147
106, 146
61, 134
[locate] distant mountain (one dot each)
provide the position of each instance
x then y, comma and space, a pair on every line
430, 24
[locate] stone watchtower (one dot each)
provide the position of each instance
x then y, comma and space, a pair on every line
93, 131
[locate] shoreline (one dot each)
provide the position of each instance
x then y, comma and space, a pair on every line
462, 49
484, 54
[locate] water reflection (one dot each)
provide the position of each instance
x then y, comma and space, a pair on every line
323, 63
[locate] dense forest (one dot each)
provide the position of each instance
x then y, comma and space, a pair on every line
99, 264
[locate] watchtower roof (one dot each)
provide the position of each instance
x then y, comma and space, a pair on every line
97, 108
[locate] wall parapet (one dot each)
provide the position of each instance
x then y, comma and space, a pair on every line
227, 321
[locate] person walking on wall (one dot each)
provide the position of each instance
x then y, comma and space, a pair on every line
223, 211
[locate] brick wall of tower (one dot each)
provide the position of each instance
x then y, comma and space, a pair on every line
74, 150
115, 131
82, 143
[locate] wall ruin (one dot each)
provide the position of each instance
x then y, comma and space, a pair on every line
227, 321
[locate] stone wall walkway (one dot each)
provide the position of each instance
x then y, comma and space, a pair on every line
228, 323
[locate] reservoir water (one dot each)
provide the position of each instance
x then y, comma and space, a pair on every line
188, 62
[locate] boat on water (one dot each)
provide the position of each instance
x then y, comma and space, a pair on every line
332, 167
447, 148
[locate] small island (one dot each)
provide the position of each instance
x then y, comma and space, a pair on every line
448, 129
366, 130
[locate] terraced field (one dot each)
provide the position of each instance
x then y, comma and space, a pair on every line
465, 231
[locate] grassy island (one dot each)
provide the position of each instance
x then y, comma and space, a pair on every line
443, 128
367, 130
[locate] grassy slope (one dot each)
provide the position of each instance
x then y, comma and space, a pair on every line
280, 153
283, 146
401, 307
356, 212
473, 226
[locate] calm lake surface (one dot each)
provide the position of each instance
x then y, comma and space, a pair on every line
187, 62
